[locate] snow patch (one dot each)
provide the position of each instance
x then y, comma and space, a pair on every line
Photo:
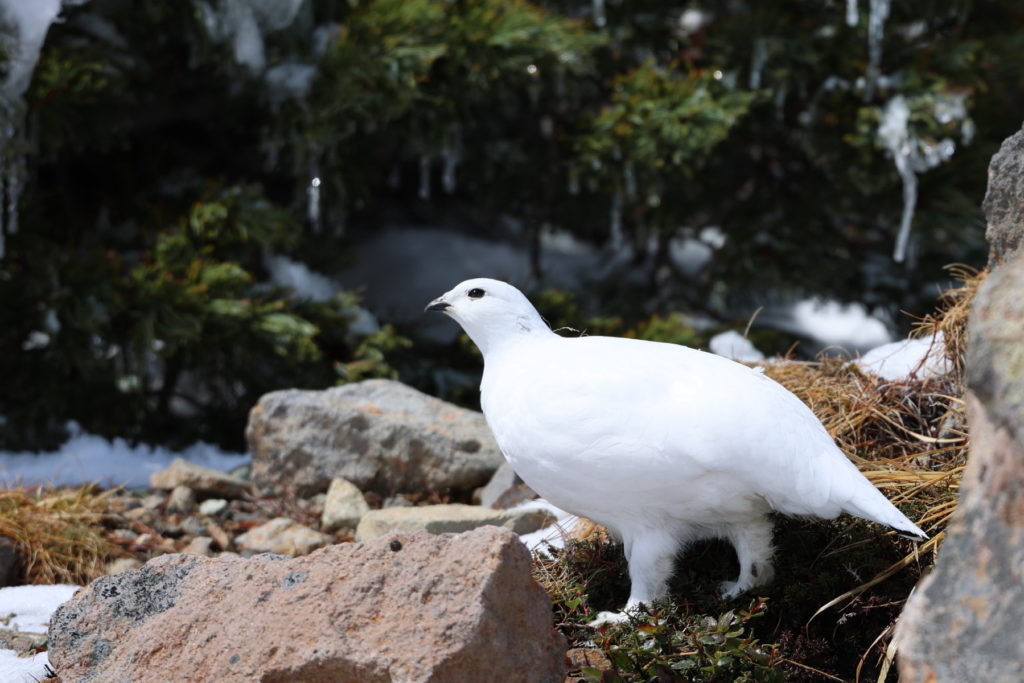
732, 344
30, 608
832, 323
907, 359
286, 272
87, 458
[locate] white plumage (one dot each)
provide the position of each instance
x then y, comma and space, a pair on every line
660, 443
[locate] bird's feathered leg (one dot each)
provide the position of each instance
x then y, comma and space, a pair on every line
651, 553
753, 543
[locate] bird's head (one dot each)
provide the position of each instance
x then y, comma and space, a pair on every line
490, 311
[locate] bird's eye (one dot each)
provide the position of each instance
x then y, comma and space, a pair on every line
476, 293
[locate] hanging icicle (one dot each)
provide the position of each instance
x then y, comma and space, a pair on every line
757, 60
629, 179
878, 13
424, 177
451, 157
313, 201
852, 13
912, 156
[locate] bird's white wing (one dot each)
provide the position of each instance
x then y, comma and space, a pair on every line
651, 419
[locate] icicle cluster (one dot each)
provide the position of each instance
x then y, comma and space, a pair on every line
25, 24
243, 23
913, 156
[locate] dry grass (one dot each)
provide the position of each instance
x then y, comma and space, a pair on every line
57, 533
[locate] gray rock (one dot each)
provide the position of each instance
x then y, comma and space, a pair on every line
213, 507
439, 519
202, 480
282, 536
1004, 199
343, 507
22, 643
504, 479
380, 435
402, 608
181, 499
963, 623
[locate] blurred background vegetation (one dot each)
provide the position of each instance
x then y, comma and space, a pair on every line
164, 153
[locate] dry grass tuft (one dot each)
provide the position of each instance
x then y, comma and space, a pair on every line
57, 533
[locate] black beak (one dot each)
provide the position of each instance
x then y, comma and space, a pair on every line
437, 304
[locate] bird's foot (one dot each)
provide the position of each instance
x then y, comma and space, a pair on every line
608, 619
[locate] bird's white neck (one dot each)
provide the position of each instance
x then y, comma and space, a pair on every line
498, 333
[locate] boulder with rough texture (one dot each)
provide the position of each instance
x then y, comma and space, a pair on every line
456, 607
344, 506
963, 623
282, 536
380, 435
440, 519
1004, 199
202, 480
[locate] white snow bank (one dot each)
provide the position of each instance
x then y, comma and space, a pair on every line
30, 609
552, 536
32, 606
732, 344
15, 669
907, 359
87, 458
832, 323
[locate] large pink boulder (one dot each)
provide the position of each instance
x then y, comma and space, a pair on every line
421, 607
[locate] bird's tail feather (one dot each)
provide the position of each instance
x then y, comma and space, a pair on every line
876, 507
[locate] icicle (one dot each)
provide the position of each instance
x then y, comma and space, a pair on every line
629, 179
878, 13
757, 60
780, 102
616, 221
452, 155
424, 177
600, 19
852, 13
31, 22
313, 201
574, 180
909, 178
448, 174
912, 156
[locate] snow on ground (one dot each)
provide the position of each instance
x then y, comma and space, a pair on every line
29, 608
907, 359
732, 344
87, 458
832, 323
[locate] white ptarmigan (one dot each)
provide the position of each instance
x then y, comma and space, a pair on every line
660, 443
